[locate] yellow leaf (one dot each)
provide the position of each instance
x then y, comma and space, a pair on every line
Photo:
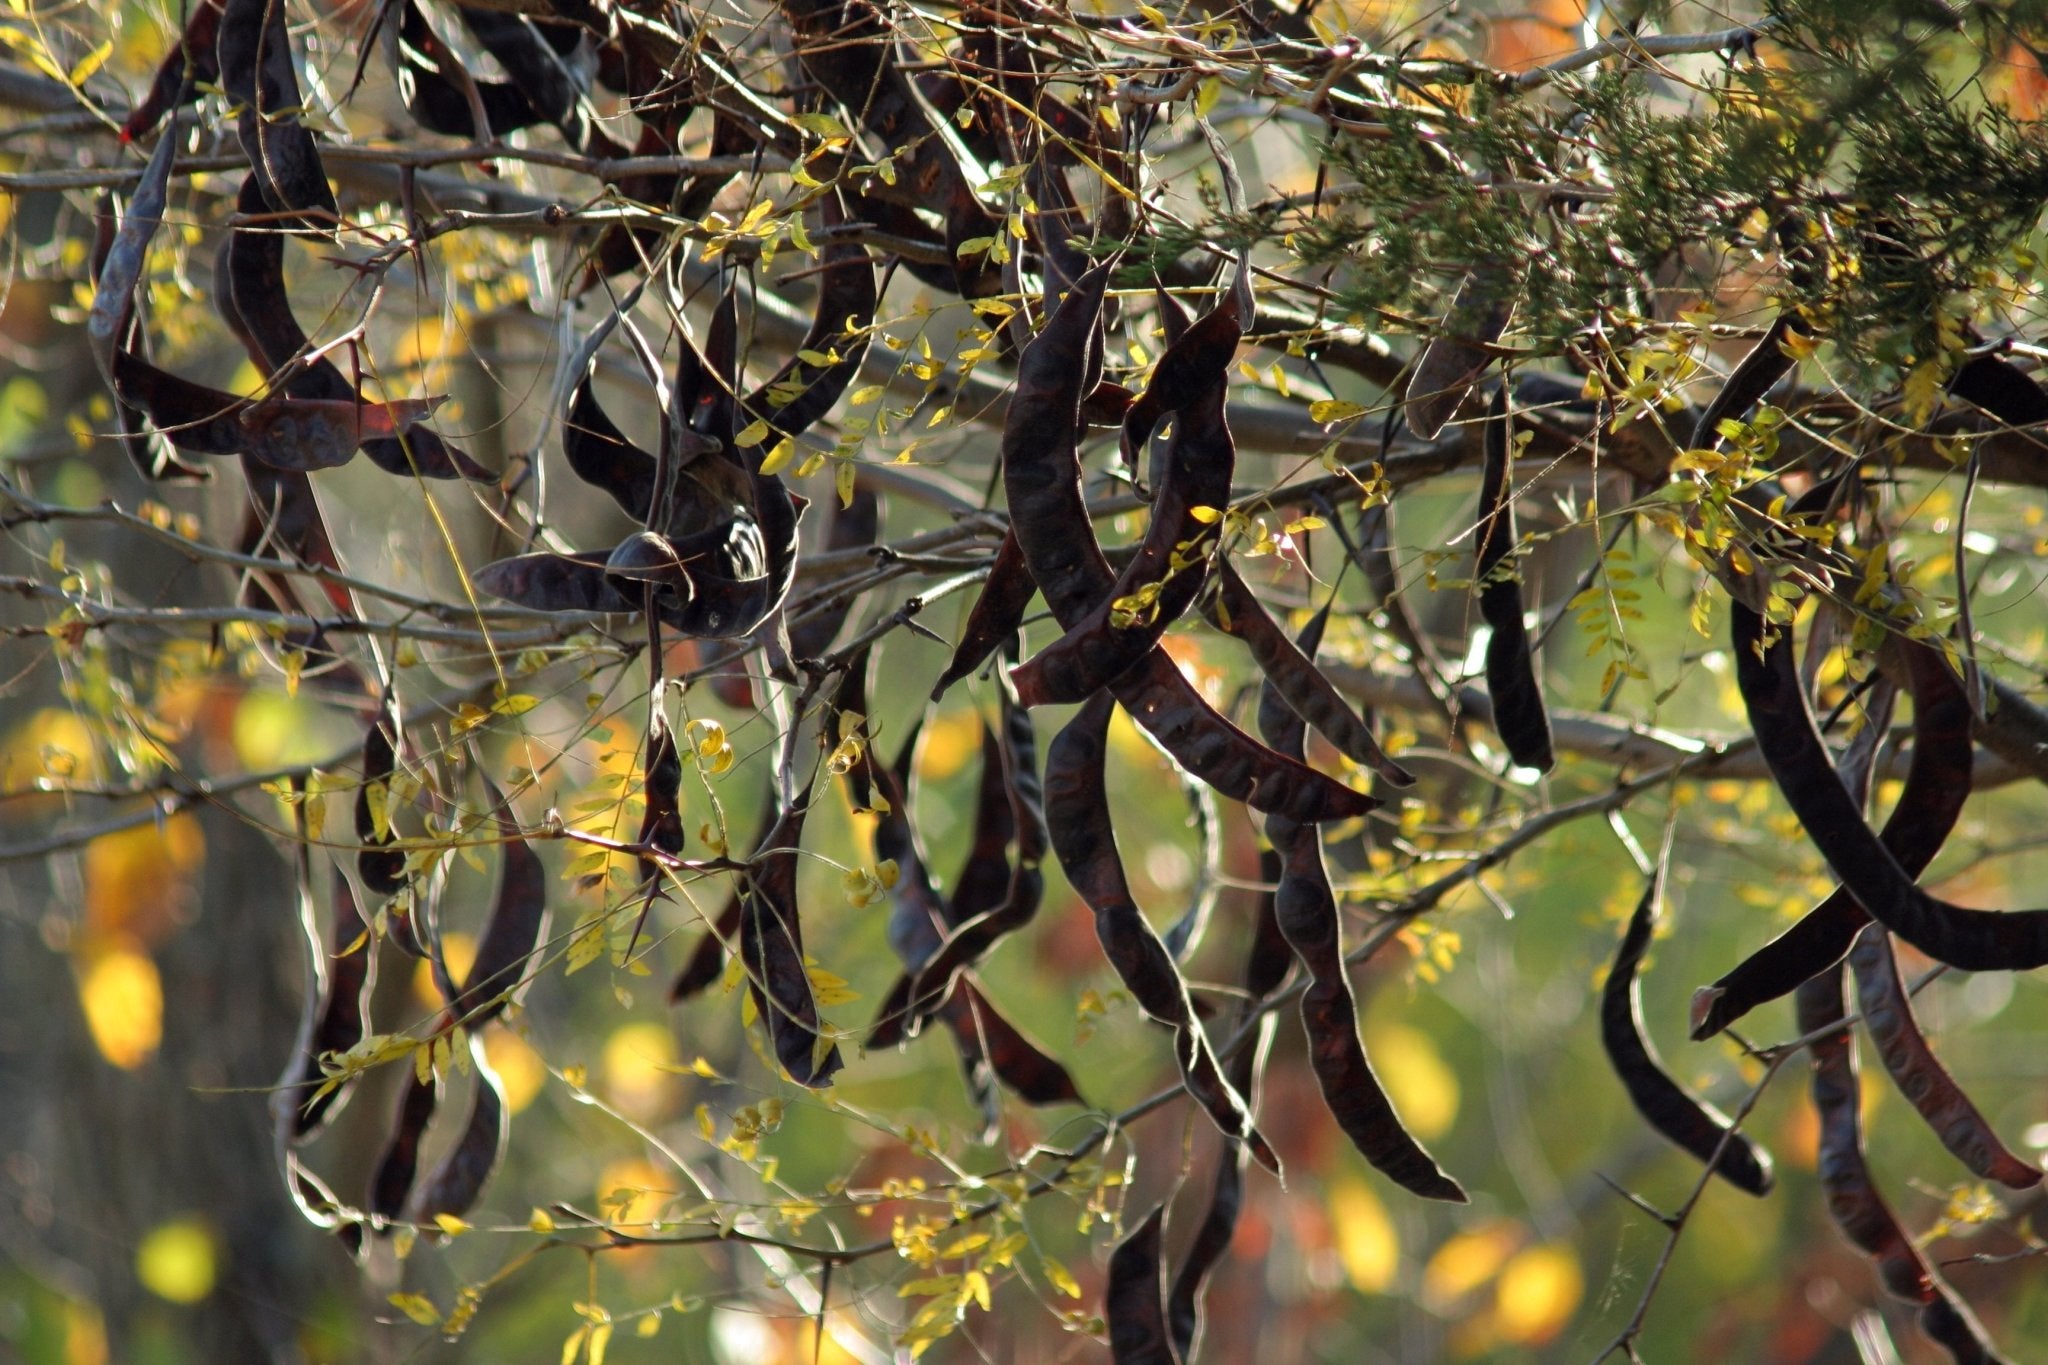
1205, 515
1329, 411
753, 433
824, 125
1062, 1279
90, 62
540, 1222
418, 1307
450, 1225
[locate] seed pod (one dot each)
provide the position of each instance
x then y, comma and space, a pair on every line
1238, 612
1920, 1076
517, 924
1518, 712
1077, 811
334, 1020
391, 1179
2002, 389
254, 52
1698, 1127
1930, 801
1753, 377
997, 614
1974, 940
1135, 1301
456, 1181
772, 946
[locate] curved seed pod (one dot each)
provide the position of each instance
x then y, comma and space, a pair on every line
1134, 1303
1173, 560
989, 1042
2002, 389
600, 455
1192, 364
1696, 1126
772, 946
975, 933
801, 392
1853, 1201
707, 960
551, 582
153, 458
662, 826
550, 79
435, 96
336, 1022
1974, 940
254, 51
1306, 913
1920, 1076
1238, 612
1077, 814
1518, 712
997, 614
110, 322
1454, 359
381, 868
458, 1178
918, 914
1949, 1324
517, 924
1268, 958
1753, 377
984, 877
190, 64
391, 1179
254, 262
1930, 802
1042, 476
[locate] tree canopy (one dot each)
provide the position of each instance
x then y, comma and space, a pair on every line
1408, 626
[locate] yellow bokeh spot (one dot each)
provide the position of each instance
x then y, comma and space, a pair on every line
176, 1261
632, 1193
949, 742
123, 999
520, 1069
1367, 1244
273, 730
1539, 1290
52, 744
85, 1335
1467, 1261
459, 951
1422, 1087
639, 1069
135, 879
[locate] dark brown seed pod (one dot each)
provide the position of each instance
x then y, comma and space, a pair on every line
1172, 562
1455, 358
1919, 1075
772, 946
1930, 802
455, 1182
600, 455
253, 48
1518, 711
1134, 1303
381, 868
1305, 911
662, 825
552, 582
190, 64
1185, 372
152, 456
997, 614
432, 82
557, 89
1753, 376
1077, 814
987, 1040
391, 1179
1949, 1324
1692, 1124
1974, 940
1236, 610
1042, 477
1853, 1201
517, 924
2002, 389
